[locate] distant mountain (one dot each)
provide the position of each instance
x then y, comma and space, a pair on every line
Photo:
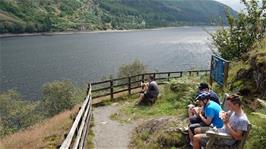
18, 16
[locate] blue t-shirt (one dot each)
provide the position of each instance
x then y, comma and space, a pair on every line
212, 110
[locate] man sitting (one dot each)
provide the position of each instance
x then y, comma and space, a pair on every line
208, 114
235, 123
149, 92
204, 87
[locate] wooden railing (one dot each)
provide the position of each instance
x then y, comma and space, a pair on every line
77, 135
115, 86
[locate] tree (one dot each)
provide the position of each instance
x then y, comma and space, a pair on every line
15, 113
243, 31
58, 96
134, 68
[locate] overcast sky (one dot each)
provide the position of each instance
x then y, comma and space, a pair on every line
235, 4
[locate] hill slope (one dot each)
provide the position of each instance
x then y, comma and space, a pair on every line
65, 15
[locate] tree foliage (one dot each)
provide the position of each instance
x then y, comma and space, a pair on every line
16, 113
19, 16
58, 96
134, 68
243, 31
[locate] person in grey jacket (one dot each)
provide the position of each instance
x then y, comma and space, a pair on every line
149, 93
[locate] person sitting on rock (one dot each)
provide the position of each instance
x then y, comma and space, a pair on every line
235, 123
149, 92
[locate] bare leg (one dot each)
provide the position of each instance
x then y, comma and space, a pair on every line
190, 134
196, 141
141, 97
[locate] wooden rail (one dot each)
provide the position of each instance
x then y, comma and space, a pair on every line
114, 86
77, 135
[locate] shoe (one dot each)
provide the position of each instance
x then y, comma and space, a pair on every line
190, 143
183, 130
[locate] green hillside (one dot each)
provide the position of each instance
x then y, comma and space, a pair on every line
18, 16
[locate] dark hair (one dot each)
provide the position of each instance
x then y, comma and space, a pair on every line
151, 77
235, 99
203, 85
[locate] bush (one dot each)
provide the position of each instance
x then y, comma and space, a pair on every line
134, 68
243, 32
15, 113
58, 96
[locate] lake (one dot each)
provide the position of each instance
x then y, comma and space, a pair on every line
29, 62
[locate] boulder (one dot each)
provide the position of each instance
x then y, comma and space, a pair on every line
160, 133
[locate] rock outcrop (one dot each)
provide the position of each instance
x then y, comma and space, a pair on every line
160, 133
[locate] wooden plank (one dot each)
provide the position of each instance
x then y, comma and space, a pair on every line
107, 94
118, 79
120, 91
111, 89
68, 140
136, 81
101, 89
83, 141
125, 84
101, 82
80, 129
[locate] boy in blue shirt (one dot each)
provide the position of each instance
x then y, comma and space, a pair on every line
211, 112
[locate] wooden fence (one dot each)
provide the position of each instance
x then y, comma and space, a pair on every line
115, 86
77, 135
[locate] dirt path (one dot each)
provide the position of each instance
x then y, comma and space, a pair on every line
110, 134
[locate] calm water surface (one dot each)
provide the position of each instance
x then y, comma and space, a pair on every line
29, 62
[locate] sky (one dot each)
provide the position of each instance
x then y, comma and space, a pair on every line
235, 4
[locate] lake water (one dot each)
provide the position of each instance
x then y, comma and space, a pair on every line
29, 62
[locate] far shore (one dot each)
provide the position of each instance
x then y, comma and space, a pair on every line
7, 35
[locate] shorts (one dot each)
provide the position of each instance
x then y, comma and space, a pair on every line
195, 123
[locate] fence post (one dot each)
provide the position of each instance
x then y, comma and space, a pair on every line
154, 76
111, 89
88, 88
181, 74
129, 85
168, 76
142, 78
189, 73
197, 73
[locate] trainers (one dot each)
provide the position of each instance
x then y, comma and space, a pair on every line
190, 143
183, 130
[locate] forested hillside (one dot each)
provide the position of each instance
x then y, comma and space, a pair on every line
18, 16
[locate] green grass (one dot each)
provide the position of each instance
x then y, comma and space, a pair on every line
171, 102
175, 96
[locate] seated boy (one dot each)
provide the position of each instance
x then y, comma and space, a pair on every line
149, 92
235, 123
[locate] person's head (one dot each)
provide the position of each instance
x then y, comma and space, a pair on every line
151, 78
203, 86
203, 98
233, 102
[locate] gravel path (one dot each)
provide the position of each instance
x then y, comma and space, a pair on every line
110, 134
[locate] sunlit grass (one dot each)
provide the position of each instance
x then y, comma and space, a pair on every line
171, 102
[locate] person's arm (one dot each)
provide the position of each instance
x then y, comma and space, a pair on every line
207, 120
209, 113
236, 134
